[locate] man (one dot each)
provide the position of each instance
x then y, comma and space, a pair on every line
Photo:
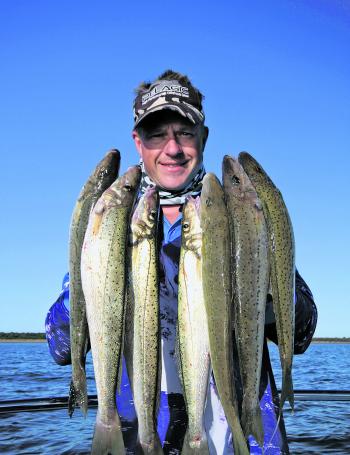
170, 136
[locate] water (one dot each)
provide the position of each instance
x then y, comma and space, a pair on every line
28, 371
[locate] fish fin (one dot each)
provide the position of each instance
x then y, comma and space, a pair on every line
71, 399
87, 344
159, 376
239, 447
287, 392
240, 444
78, 394
195, 447
128, 349
108, 439
122, 344
252, 424
120, 371
96, 224
155, 448
177, 355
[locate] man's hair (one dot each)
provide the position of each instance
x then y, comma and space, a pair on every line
169, 75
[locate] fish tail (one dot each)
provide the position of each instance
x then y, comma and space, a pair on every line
154, 447
252, 423
287, 389
71, 399
195, 446
78, 394
239, 441
108, 438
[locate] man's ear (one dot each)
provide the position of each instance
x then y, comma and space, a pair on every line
138, 143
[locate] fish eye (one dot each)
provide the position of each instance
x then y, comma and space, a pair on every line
185, 226
235, 180
153, 214
127, 187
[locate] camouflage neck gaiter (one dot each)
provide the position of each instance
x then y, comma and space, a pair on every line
166, 197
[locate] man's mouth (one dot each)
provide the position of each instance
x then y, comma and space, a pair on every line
178, 164
173, 168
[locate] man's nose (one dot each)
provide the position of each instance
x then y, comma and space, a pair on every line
172, 147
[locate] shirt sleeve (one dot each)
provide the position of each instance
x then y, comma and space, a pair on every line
57, 327
305, 317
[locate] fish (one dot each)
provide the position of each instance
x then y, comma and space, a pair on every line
102, 177
251, 272
217, 286
142, 326
103, 271
282, 262
192, 333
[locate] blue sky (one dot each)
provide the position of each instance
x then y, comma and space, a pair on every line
276, 79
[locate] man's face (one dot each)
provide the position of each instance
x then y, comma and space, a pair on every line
171, 148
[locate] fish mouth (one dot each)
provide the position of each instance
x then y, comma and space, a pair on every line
229, 162
232, 171
150, 190
195, 202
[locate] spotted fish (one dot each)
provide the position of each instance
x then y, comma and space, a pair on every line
282, 260
250, 280
218, 301
193, 329
103, 268
103, 176
142, 337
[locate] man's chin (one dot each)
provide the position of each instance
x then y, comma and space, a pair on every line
172, 184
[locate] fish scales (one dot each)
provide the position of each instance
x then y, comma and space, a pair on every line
103, 176
103, 280
193, 329
218, 301
282, 261
251, 281
142, 349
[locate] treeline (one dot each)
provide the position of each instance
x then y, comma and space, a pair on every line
336, 340
22, 335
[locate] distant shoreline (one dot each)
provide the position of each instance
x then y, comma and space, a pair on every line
331, 341
43, 340
22, 340
22, 337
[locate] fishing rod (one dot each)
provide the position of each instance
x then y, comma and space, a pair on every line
50, 404
40, 404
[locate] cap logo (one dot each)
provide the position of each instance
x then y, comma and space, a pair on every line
169, 94
166, 89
